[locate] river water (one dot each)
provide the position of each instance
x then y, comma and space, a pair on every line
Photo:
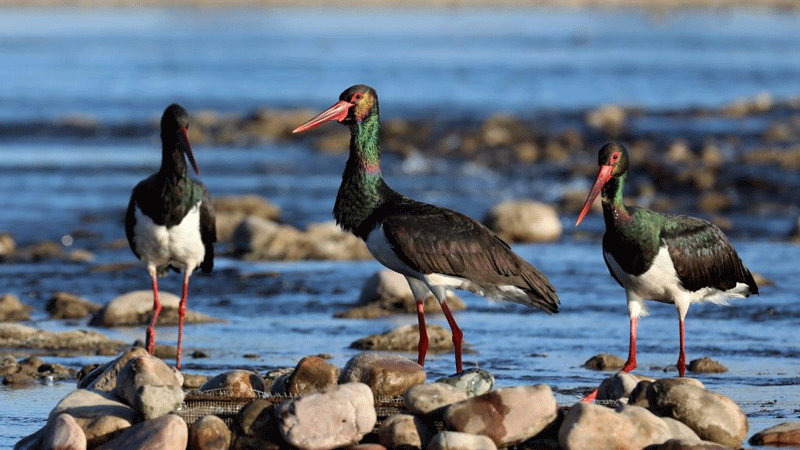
124, 66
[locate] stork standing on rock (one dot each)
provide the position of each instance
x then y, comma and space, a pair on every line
434, 248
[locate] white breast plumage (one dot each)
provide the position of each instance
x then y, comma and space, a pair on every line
180, 245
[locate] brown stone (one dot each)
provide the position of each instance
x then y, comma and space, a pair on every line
405, 338
706, 365
63, 305
164, 433
786, 433
209, 433
12, 310
604, 361
507, 415
236, 383
387, 376
311, 374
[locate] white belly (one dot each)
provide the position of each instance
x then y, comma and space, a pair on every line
180, 245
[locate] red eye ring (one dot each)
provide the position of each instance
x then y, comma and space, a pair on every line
357, 96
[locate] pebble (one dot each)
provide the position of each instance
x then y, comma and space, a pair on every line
63, 305
64, 434
426, 398
331, 418
164, 433
236, 383
402, 431
209, 433
311, 374
507, 415
783, 434
619, 386
386, 292
525, 221
604, 361
454, 440
472, 381
388, 376
706, 365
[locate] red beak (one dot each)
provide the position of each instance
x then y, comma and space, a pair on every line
183, 138
603, 175
337, 112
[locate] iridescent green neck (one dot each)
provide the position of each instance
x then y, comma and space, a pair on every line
365, 144
613, 200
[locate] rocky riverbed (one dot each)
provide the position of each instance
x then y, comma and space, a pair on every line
136, 401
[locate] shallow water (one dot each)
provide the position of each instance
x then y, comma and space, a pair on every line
126, 66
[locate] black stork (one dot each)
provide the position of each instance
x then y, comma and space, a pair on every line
663, 257
434, 248
170, 221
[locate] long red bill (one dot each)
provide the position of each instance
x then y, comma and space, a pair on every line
603, 175
183, 138
337, 112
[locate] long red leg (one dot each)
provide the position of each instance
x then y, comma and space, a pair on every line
630, 364
682, 355
457, 334
150, 342
422, 347
181, 315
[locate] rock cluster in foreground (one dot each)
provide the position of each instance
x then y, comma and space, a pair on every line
136, 401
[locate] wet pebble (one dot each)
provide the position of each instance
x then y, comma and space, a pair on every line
604, 361
472, 381
706, 365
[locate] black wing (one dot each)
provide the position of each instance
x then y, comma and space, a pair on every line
431, 239
208, 231
141, 190
703, 256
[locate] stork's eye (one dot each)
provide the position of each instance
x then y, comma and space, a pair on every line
357, 96
615, 157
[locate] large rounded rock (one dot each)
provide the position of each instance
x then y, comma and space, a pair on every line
525, 221
164, 433
331, 418
64, 433
470, 381
403, 431
209, 433
786, 433
104, 378
508, 415
388, 376
136, 308
386, 292
619, 386
260, 239
99, 414
311, 374
454, 440
327, 241
427, 398
588, 426
714, 417
151, 386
